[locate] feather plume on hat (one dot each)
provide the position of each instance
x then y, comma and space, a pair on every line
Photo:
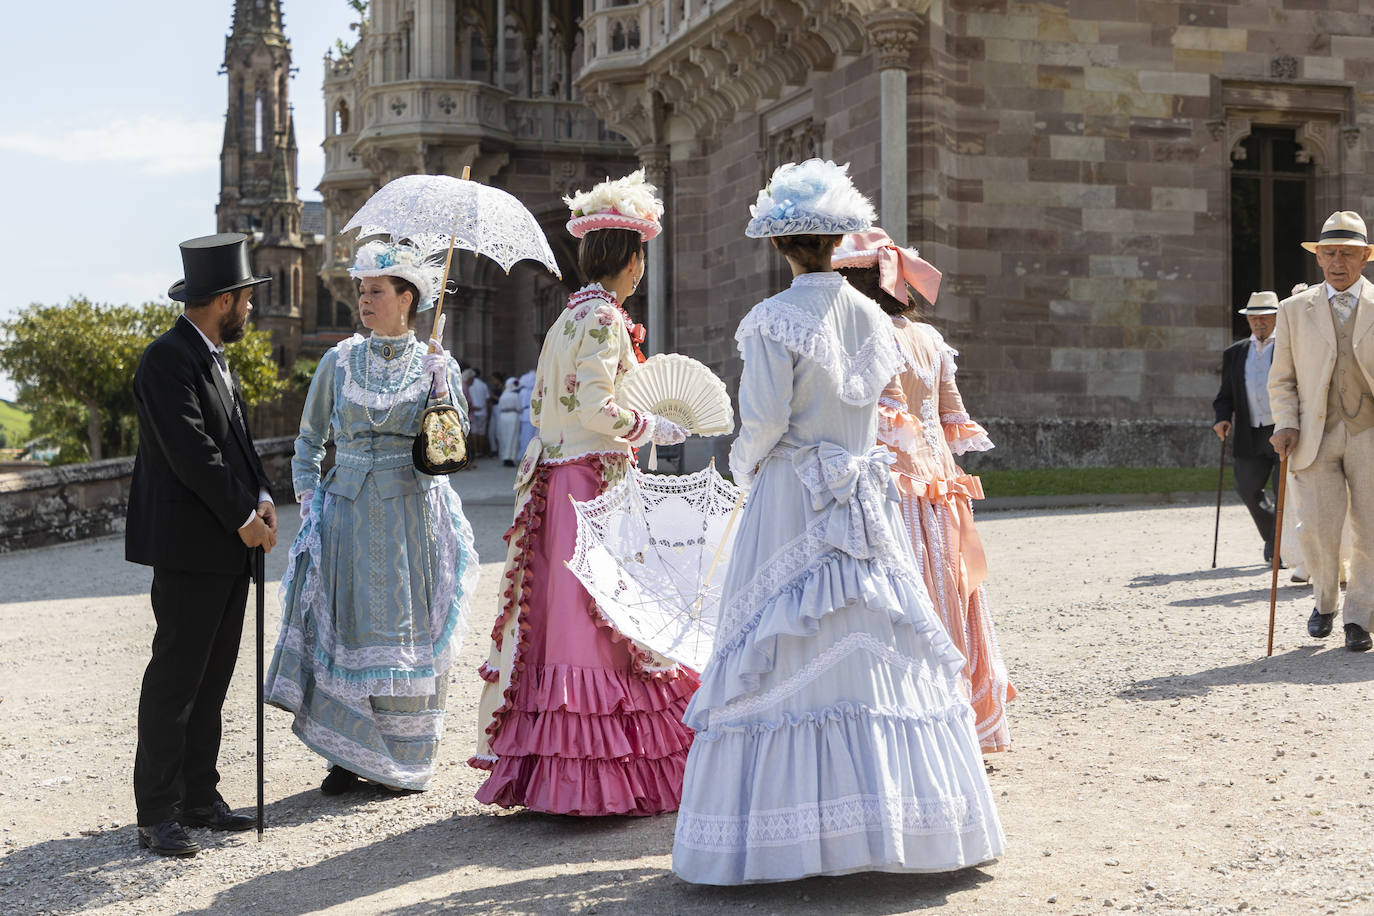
815, 197
389, 259
625, 203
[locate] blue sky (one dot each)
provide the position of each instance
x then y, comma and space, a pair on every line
110, 131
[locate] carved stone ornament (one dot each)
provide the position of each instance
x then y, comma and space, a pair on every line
398, 105
1237, 129
893, 34
1317, 143
1284, 67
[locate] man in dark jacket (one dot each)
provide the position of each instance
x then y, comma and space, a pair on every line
198, 506
1244, 395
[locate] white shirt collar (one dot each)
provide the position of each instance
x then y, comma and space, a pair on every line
208, 344
1256, 342
1357, 288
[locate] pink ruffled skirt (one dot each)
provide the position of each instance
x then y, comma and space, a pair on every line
586, 729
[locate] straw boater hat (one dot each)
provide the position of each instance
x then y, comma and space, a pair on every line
626, 203
815, 197
1265, 303
1344, 227
388, 259
897, 266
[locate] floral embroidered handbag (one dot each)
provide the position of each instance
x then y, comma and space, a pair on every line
440, 446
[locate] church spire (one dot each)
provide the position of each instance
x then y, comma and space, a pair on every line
257, 16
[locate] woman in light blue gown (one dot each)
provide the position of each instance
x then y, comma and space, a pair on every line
833, 732
380, 578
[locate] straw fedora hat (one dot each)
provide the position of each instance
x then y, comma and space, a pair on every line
1265, 303
1344, 227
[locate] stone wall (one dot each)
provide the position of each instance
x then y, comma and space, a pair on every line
78, 501
1070, 168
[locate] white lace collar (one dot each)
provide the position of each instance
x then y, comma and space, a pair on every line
825, 279
859, 376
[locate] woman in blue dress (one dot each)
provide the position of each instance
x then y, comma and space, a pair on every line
833, 732
378, 584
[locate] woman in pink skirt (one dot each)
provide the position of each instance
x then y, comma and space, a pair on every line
923, 421
575, 717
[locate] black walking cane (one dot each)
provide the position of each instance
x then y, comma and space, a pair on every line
1221, 477
1278, 542
259, 561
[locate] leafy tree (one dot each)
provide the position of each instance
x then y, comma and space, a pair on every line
74, 365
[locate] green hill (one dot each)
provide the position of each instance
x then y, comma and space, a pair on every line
14, 422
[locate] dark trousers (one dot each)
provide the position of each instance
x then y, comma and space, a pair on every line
1253, 473
199, 623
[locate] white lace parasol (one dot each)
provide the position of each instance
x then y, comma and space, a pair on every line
431, 209
652, 551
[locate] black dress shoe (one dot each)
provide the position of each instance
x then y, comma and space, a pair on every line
340, 781
217, 816
1357, 638
167, 839
1268, 551
1319, 624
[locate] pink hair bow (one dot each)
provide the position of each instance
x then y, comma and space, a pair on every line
899, 266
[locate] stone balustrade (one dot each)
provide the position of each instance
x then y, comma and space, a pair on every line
77, 501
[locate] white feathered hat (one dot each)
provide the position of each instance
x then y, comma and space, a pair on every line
388, 259
626, 203
816, 197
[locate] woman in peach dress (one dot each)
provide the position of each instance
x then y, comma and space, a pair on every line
923, 421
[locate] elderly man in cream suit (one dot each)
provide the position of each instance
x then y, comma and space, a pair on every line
1321, 393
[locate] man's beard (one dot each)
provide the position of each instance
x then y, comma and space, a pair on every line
232, 327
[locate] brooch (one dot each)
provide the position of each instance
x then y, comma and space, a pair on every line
388, 351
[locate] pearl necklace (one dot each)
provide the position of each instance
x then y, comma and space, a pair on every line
367, 372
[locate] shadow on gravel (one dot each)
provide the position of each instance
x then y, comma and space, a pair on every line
71, 874
601, 855
1243, 597
637, 890
1152, 580
1328, 664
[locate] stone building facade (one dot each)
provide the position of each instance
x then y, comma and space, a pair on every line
1102, 184
428, 88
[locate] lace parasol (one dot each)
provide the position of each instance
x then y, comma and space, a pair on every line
653, 551
429, 210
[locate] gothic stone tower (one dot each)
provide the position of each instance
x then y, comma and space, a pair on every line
258, 168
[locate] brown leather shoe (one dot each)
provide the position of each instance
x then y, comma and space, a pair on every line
216, 816
167, 838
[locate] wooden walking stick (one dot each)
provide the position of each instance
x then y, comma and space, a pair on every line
1221, 477
260, 564
1278, 541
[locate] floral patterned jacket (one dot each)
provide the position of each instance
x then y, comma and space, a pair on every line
586, 353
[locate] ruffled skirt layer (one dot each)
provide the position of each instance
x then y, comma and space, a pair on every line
374, 607
950, 556
585, 729
834, 734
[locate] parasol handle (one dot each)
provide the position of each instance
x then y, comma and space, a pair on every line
720, 548
443, 286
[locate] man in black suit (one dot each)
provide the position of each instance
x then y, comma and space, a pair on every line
1244, 395
198, 506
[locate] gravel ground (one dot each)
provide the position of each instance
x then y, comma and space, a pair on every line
1161, 763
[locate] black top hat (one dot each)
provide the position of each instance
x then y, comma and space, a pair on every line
214, 264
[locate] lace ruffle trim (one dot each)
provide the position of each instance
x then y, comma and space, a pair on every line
904, 814
859, 377
380, 400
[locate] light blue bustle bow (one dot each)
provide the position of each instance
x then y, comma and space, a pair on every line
851, 488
